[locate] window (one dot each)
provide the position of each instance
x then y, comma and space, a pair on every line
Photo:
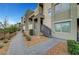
62, 7
58, 8
63, 26
65, 7
66, 26
57, 27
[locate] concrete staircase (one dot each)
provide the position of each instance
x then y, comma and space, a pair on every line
45, 31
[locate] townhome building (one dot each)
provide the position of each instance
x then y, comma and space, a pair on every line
59, 20
64, 21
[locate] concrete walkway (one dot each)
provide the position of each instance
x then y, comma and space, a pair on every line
17, 46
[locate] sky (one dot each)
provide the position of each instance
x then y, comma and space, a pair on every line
14, 11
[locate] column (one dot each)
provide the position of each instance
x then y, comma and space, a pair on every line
53, 18
74, 21
33, 25
38, 26
26, 24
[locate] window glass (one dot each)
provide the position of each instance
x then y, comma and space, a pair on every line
66, 26
65, 7
57, 27
62, 7
63, 26
58, 8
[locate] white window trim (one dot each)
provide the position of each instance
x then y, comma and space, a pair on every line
62, 20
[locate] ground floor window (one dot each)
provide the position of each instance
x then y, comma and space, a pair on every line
57, 27
66, 26
63, 26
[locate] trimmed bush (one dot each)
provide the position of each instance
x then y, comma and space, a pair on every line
28, 38
73, 47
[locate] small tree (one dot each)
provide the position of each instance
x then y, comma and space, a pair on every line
12, 29
4, 25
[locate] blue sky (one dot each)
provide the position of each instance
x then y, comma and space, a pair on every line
14, 11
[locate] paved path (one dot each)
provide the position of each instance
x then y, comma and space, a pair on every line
17, 46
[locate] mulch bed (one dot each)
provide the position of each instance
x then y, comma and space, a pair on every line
4, 49
59, 49
1, 35
35, 40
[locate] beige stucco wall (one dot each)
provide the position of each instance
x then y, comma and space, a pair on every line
47, 18
70, 16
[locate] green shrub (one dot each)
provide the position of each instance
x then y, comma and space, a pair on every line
73, 47
11, 29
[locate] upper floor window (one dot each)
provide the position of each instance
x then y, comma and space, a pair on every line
58, 8
65, 7
62, 7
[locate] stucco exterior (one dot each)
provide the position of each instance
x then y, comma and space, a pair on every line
69, 15
47, 15
54, 13
50, 18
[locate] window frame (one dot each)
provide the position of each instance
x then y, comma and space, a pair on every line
60, 5
61, 25
69, 29
56, 28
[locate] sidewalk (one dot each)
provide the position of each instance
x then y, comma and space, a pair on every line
17, 46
